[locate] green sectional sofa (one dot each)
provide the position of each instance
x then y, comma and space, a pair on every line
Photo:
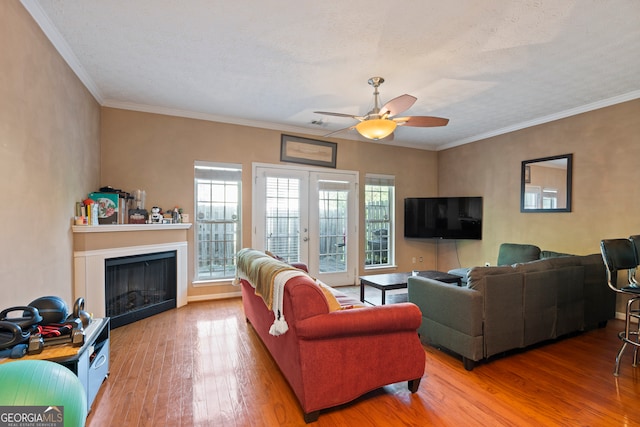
514, 306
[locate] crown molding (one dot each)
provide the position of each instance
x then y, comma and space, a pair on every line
63, 48
214, 118
546, 119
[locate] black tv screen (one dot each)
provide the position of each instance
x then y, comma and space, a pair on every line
443, 217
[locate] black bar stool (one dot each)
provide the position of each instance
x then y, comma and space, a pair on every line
621, 254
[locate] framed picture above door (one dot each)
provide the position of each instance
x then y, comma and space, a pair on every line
307, 151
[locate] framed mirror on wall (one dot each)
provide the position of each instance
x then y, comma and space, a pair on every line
546, 184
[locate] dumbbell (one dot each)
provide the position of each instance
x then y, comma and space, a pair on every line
14, 353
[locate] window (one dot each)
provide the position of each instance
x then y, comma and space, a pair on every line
540, 198
217, 220
549, 198
379, 218
532, 197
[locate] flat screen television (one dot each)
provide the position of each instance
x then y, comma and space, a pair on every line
443, 217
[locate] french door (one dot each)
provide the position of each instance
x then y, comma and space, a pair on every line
308, 216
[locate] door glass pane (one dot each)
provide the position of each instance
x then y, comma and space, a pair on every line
332, 215
283, 217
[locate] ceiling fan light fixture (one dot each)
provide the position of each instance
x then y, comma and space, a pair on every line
376, 128
380, 122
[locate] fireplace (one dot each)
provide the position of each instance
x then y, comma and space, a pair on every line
139, 286
97, 246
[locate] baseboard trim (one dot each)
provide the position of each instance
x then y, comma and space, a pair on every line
621, 316
209, 297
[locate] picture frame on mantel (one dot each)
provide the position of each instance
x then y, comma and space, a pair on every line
307, 151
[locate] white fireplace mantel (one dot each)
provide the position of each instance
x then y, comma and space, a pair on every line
121, 228
89, 264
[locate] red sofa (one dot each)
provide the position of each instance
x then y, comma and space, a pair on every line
332, 357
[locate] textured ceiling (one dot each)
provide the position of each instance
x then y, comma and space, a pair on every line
490, 66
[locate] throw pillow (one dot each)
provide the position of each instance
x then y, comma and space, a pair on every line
513, 253
334, 305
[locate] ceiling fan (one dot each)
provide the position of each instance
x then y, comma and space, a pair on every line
379, 123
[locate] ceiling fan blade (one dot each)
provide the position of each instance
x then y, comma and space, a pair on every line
421, 121
325, 113
398, 105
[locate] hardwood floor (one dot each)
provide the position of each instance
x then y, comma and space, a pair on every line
202, 365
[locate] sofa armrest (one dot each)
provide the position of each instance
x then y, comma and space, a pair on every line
359, 321
456, 307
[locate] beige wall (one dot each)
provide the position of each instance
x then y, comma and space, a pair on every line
606, 147
53, 135
49, 159
156, 153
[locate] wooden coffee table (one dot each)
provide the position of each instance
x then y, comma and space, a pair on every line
391, 281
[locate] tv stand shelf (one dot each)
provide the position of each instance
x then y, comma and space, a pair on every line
89, 362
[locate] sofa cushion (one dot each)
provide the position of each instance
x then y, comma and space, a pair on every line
552, 254
477, 275
565, 261
512, 253
533, 266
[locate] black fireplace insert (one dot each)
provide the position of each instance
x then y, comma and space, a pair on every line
139, 286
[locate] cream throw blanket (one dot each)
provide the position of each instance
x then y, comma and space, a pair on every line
268, 276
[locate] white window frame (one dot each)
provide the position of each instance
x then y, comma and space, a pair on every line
374, 255
532, 197
549, 198
236, 223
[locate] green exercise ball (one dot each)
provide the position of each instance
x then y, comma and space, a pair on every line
46, 384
